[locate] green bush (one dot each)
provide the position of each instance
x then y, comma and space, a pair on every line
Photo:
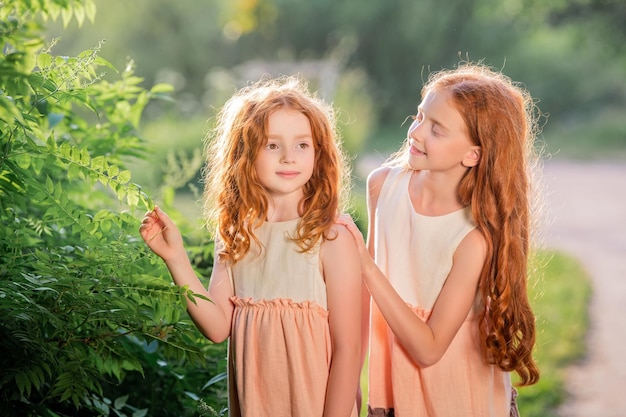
88, 313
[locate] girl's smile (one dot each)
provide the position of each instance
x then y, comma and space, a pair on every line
288, 174
414, 150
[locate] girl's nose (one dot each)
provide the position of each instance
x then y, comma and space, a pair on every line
414, 130
287, 156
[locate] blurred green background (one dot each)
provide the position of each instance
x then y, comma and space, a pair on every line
370, 59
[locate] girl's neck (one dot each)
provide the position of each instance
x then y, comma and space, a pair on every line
432, 194
282, 211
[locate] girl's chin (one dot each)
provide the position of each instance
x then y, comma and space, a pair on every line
412, 164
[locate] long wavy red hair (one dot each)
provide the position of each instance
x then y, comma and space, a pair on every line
235, 203
501, 118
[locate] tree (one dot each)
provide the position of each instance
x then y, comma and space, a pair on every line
85, 307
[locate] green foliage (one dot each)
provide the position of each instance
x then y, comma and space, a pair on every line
356, 111
85, 306
570, 54
590, 137
560, 298
165, 161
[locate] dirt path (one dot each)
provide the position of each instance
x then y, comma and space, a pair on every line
587, 204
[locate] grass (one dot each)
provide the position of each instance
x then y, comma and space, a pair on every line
559, 294
560, 298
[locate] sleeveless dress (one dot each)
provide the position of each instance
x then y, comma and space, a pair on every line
280, 347
415, 252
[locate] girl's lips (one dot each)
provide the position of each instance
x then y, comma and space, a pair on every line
287, 174
414, 151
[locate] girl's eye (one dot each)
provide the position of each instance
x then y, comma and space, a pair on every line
303, 145
438, 130
271, 146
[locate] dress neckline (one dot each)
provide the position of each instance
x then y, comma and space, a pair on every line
417, 213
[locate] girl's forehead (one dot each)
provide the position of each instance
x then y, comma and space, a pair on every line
436, 98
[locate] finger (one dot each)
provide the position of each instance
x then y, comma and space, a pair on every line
344, 219
157, 234
145, 228
147, 223
163, 217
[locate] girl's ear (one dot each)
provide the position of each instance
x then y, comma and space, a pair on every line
472, 157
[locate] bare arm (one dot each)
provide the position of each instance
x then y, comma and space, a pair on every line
425, 342
213, 318
342, 273
374, 184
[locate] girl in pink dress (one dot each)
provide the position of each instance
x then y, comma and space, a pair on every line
447, 252
286, 284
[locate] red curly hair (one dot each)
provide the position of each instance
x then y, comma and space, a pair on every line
501, 118
235, 202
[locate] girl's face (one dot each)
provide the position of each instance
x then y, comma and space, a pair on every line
285, 164
438, 136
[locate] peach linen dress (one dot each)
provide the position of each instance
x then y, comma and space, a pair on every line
415, 253
280, 346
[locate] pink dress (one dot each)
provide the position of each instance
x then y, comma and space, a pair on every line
415, 253
280, 346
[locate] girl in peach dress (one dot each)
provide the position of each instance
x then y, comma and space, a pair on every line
286, 284
447, 251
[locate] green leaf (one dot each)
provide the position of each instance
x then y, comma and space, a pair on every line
66, 16
90, 10
104, 63
74, 172
141, 413
49, 185
37, 164
8, 112
23, 160
44, 60
120, 402
79, 13
23, 384
162, 88
217, 378
123, 177
113, 171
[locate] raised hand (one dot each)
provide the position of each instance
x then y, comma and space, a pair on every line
161, 234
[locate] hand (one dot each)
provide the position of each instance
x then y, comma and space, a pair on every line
161, 234
347, 221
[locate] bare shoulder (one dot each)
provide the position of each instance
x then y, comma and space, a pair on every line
339, 257
375, 181
340, 247
473, 246
377, 176
339, 237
